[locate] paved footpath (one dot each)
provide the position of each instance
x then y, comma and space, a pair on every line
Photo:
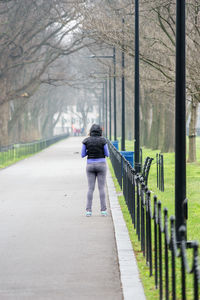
48, 248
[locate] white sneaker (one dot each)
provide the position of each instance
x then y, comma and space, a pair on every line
104, 213
88, 214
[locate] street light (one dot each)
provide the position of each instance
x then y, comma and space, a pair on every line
114, 92
107, 97
137, 95
123, 96
110, 106
137, 90
103, 106
106, 104
180, 131
114, 95
100, 100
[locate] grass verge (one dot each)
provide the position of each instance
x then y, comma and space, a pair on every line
149, 282
15, 160
168, 196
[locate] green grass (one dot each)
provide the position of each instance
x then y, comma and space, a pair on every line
13, 161
168, 196
5, 162
167, 199
12, 156
148, 282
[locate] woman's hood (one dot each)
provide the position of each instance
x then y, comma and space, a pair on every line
95, 130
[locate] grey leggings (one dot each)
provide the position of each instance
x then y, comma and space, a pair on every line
96, 170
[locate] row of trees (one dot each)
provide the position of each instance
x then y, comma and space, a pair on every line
43, 55
35, 38
103, 22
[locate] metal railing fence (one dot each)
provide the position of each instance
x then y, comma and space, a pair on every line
15, 151
160, 171
158, 240
116, 159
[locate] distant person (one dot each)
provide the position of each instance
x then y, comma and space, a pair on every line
75, 132
82, 131
96, 149
78, 131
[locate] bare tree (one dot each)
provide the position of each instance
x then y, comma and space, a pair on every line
34, 35
157, 59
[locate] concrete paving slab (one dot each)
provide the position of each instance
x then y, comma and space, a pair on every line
48, 248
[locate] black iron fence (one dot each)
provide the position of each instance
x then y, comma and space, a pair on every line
116, 159
13, 152
160, 171
165, 256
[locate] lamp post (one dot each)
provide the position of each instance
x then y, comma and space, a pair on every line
114, 92
123, 97
100, 114
106, 106
180, 120
137, 90
110, 106
101, 101
103, 106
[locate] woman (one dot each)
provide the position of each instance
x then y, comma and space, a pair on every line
96, 149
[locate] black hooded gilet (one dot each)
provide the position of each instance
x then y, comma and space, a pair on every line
95, 146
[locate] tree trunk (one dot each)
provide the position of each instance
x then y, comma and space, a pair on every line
154, 133
4, 118
192, 132
167, 130
146, 121
169, 135
33, 130
161, 126
48, 126
129, 124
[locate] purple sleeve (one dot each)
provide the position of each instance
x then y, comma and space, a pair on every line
83, 151
106, 151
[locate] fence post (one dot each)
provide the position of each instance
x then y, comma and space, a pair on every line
155, 240
138, 207
196, 271
160, 250
173, 250
166, 253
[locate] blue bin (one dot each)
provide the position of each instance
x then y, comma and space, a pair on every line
129, 155
115, 144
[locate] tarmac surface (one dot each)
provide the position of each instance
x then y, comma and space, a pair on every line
48, 248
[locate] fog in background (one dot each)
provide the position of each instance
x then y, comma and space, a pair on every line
50, 83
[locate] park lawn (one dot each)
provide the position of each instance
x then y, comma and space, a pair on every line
167, 197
